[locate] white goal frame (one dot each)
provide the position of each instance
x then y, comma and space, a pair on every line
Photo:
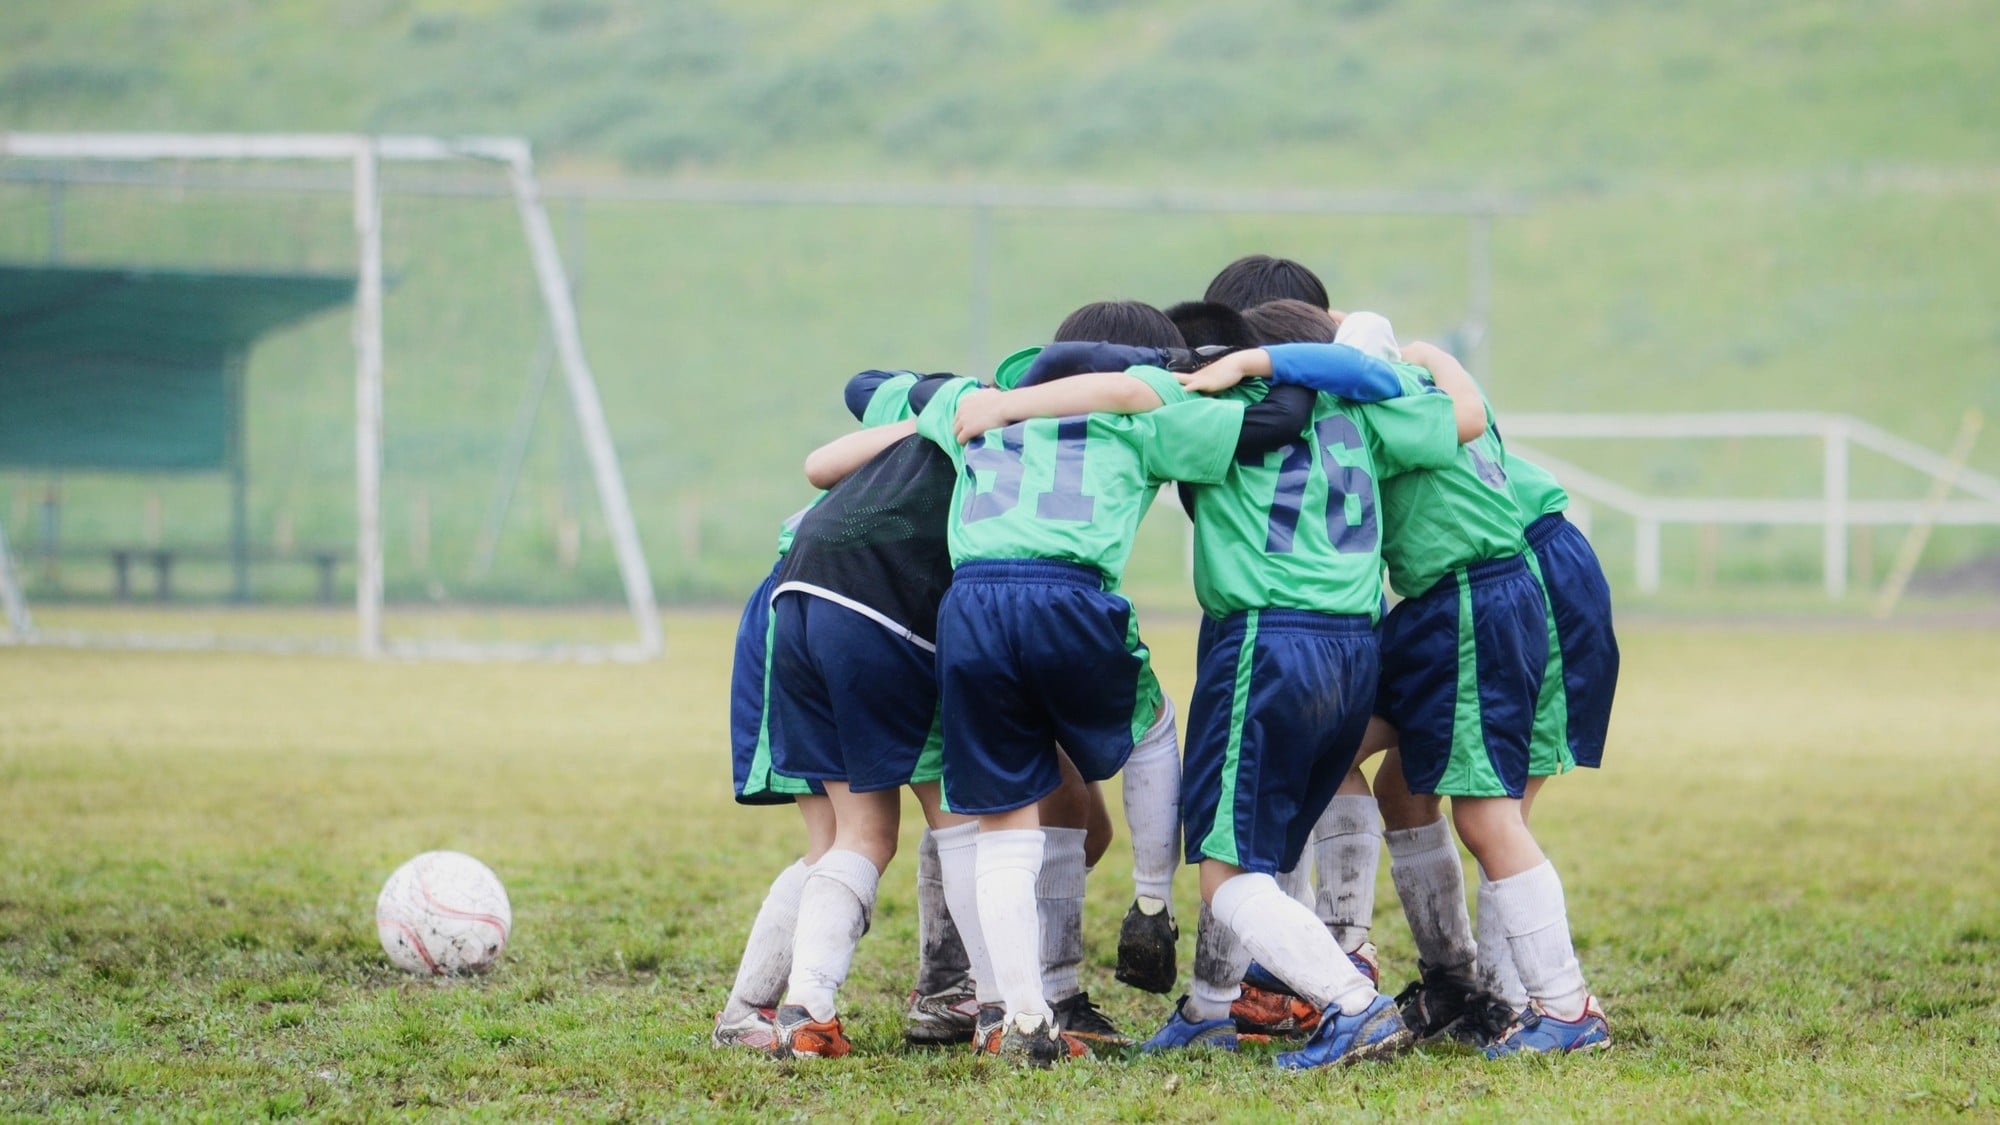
365, 155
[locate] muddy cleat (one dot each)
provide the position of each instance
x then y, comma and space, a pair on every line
1486, 1019
986, 1029
1146, 946
1434, 1002
1376, 1033
799, 1036
941, 1018
1032, 1040
753, 1031
1366, 963
1536, 1032
1078, 1018
1264, 1011
1181, 1033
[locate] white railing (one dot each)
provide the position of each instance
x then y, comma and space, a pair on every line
1835, 511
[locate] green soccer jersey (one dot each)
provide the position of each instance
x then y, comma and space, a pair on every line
888, 404
1075, 489
1442, 519
1535, 489
1297, 527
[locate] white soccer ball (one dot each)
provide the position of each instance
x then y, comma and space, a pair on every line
443, 914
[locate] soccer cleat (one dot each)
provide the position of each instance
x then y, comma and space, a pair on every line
1267, 1012
1033, 1040
940, 1018
1434, 1002
1366, 963
1486, 1019
1078, 1018
986, 1028
753, 1031
1146, 946
1536, 1032
1180, 1033
1375, 1033
799, 1036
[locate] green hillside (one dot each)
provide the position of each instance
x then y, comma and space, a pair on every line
1789, 207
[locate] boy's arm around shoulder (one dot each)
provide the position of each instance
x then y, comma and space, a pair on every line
831, 463
1102, 392
1451, 377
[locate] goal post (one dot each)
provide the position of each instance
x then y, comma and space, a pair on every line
365, 155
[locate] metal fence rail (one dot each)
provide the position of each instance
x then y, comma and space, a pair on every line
1835, 511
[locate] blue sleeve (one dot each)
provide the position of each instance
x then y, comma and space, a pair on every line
862, 387
1336, 369
1077, 358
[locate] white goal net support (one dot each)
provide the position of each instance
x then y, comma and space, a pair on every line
365, 155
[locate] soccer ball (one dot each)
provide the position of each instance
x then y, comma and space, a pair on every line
443, 914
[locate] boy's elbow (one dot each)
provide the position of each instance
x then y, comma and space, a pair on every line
820, 473
1471, 426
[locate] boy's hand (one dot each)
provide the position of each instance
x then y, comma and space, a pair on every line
978, 412
1221, 375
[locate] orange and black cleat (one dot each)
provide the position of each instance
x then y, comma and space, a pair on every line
799, 1036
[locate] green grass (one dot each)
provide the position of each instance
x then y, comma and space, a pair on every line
1779, 886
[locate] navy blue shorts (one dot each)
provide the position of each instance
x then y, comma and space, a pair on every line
1580, 617
851, 701
1462, 667
1034, 652
1281, 699
749, 728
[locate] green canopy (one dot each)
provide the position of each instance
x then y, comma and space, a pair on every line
124, 369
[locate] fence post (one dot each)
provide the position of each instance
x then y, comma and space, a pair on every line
1834, 544
1649, 554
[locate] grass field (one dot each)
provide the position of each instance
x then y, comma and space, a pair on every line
1783, 888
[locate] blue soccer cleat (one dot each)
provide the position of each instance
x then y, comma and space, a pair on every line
1535, 1032
1181, 1033
1376, 1033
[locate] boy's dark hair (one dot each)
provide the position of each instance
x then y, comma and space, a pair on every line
1290, 322
1248, 282
1205, 324
1120, 322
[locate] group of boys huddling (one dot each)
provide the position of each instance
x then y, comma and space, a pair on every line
946, 616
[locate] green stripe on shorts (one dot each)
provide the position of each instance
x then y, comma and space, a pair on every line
762, 778
1220, 843
1146, 698
1469, 772
1549, 753
930, 761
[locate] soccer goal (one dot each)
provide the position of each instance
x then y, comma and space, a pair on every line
226, 300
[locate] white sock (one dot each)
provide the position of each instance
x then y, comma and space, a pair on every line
1059, 902
1009, 863
1298, 883
1219, 964
1151, 782
958, 860
1346, 853
767, 956
834, 911
1285, 936
1430, 880
1537, 925
941, 962
1497, 975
